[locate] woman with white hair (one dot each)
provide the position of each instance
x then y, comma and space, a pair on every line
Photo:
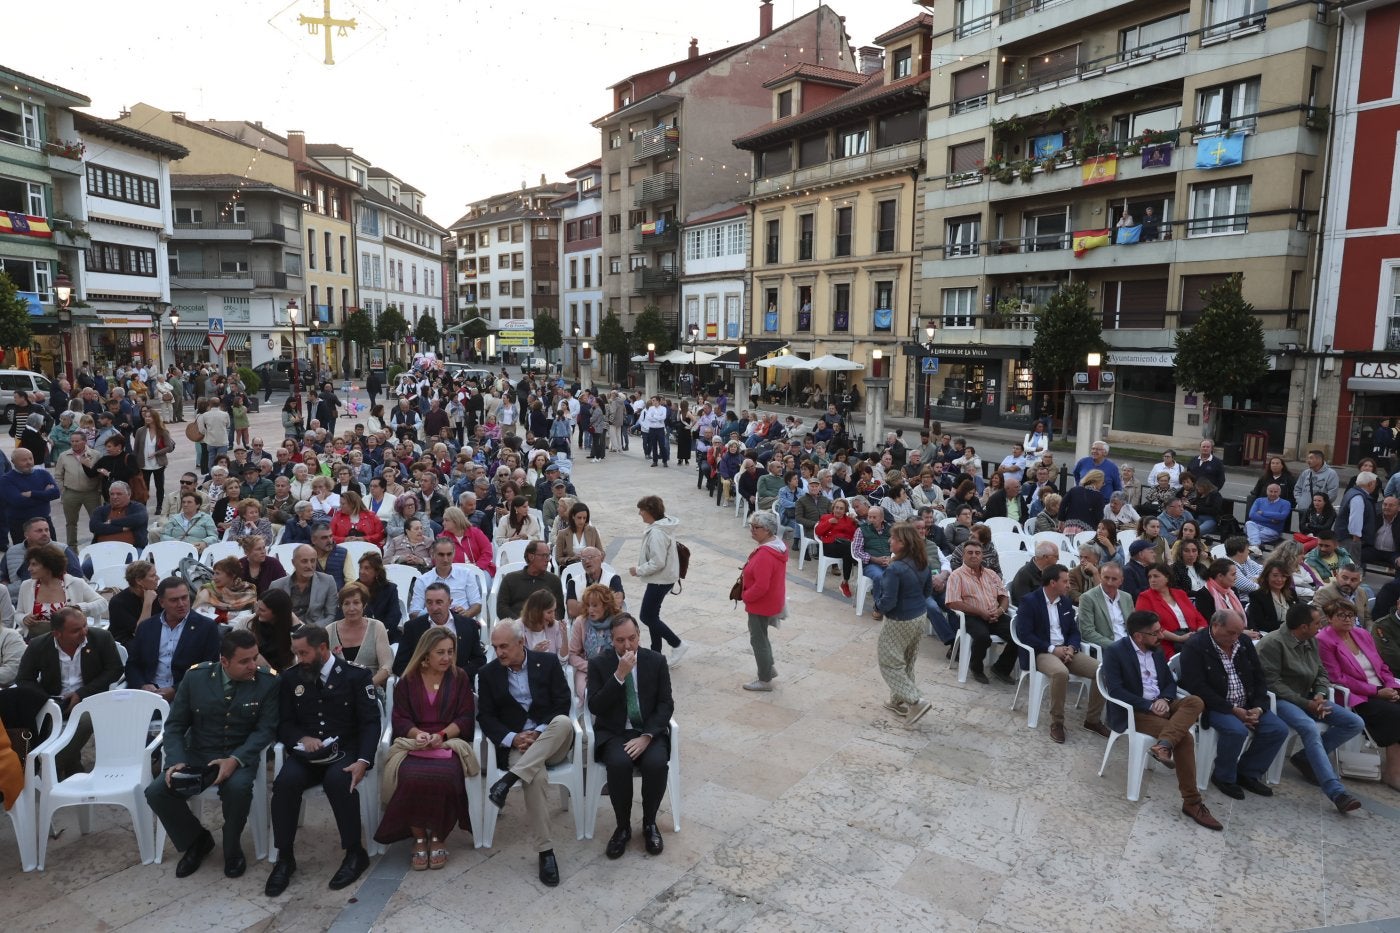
764, 593
60, 433
1120, 512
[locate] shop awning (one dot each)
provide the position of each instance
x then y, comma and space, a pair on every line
757, 350
237, 341
187, 341
1368, 384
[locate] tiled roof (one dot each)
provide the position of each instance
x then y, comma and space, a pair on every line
226, 181
873, 90
838, 76
332, 149
923, 19
87, 123
738, 210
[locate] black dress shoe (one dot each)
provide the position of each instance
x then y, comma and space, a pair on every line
235, 865
1003, 676
618, 843
281, 876
1300, 761
194, 856
549, 869
1255, 786
1228, 788
652, 836
980, 677
499, 790
351, 868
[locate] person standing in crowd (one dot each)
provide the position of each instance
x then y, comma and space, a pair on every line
659, 569
764, 593
901, 595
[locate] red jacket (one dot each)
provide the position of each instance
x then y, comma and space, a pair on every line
1152, 602
370, 526
765, 579
836, 528
473, 548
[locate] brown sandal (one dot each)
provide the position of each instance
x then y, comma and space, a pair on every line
419, 862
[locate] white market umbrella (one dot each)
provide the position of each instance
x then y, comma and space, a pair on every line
833, 363
787, 361
699, 357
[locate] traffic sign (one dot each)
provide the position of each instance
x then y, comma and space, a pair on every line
930, 366
217, 342
216, 326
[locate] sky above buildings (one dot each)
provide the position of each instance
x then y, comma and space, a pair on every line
460, 98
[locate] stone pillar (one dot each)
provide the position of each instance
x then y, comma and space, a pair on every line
743, 378
585, 371
651, 378
877, 395
1092, 406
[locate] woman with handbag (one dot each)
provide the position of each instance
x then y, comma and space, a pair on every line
763, 589
152, 446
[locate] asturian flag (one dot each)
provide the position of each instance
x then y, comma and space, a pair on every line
1220, 151
1127, 235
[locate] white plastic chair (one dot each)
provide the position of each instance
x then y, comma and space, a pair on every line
22, 811
1217, 551
1002, 525
1039, 683
488, 605
575, 572
1009, 544
109, 554
120, 771
802, 544
511, 552
824, 564
568, 776
166, 555
259, 816
112, 575
863, 587
404, 577
283, 553
218, 551
1054, 537
368, 791
598, 776
354, 550
1360, 757
1012, 562
1138, 744
1084, 537
1028, 527
946, 523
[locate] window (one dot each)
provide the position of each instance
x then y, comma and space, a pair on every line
485, 265
636, 219
27, 275
970, 89
587, 271
899, 128
122, 186
233, 266
974, 16
841, 307
883, 318
517, 233
804, 308
784, 104
615, 140
614, 223
884, 230
1226, 16
777, 161
852, 141
771, 247
517, 289
344, 256
573, 273
1194, 289
1131, 126
615, 265
965, 162
962, 237
1046, 231
413, 278
1392, 340
503, 234
1228, 107
806, 225
1219, 209
23, 197
320, 199
1140, 303
291, 264
311, 247
365, 270
485, 291
517, 261
811, 151
1159, 35
959, 306
33, 117
636, 261
330, 262
903, 62
615, 181
359, 176
1050, 65
120, 259
845, 219
189, 215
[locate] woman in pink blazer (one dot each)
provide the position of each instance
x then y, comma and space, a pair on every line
1351, 660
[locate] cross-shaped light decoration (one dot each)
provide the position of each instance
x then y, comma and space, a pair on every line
313, 25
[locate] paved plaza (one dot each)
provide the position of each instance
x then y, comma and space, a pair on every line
807, 809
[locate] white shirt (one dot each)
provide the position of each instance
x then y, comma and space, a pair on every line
70, 668
1115, 615
1057, 637
1174, 471
462, 582
1147, 667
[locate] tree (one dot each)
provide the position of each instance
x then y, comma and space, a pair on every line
476, 329
359, 330
548, 336
1066, 331
426, 331
612, 340
1223, 353
14, 316
392, 329
650, 327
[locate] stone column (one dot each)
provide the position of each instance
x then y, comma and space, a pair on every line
743, 378
585, 371
877, 394
1092, 406
651, 378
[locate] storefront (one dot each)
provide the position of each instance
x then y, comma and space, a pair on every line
1145, 400
990, 385
121, 339
1374, 386
188, 348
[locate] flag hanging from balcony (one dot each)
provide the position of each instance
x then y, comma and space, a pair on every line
884, 318
770, 322
24, 224
1099, 169
1220, 151
1085, 240
656, 226
1128, 235
1159, 156
1043, 147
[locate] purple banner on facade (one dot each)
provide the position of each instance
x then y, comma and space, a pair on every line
1159, 156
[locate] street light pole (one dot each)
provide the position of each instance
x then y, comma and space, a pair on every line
928, 401
175, 337
296, 368
694, 357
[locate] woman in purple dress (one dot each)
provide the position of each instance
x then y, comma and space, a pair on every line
434, 723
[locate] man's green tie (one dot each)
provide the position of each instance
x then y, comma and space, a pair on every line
634, 709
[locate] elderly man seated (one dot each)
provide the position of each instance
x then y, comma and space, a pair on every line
1268, 516
517, 586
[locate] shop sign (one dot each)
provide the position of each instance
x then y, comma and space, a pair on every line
1141, 358
1378, 370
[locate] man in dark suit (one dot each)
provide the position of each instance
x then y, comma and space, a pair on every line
70, 663
437, 599
170, 643
1237, 706
1140, 556
323, 697
1045, 624
224, 715
1135, 671
523, 703
629, 695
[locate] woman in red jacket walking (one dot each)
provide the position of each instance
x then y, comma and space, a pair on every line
765, 593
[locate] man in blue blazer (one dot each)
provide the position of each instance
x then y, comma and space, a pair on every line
170, 642
1135, 672
1045, 624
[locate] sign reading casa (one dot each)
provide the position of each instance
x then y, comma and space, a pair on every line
1379, 370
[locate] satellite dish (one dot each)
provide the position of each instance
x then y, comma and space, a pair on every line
671, 78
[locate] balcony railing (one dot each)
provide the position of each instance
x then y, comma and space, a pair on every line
666, 239
655, 280
904, 155
268, 279
665, 186
663, 141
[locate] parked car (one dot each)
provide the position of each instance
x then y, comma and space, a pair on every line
20, 380
536, 364
480, 376
278, 373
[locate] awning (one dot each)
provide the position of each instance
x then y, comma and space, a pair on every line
119, 319
187, 341
1369, 384
757, 350
237, 341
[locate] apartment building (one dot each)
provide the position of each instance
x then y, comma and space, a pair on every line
581, 261
668, 150
837, 212
714, 279
1051, 120
412, 248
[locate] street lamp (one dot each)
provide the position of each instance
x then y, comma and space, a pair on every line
576, 350
175, 336
63, 292
651, 353
296, 369
694, 356
1095, 361
743, 355
877, 364
929, 331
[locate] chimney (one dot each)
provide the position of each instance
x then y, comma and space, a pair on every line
765, 19
872, 59
542, 181
694, 52
296, 145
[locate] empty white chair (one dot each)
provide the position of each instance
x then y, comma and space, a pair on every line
483, 583
1001, 525
21, 812
802, 545
511, 552
111, 576
166, 555
283, 553
1217, 551
1039, 683
598, 776
404, 578
1138, 744
354, 550
259, 816
121, 768
1009, 543
1084, 537
1054, 537
219, 550
109, 554
1011, 563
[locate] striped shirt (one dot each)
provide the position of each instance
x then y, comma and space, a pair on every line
980, 590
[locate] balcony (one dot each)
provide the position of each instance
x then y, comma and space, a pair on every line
70, 234
666, 239
660, 142
274, 280
881, 161
665, 186
655, 280
218, 281
65, 157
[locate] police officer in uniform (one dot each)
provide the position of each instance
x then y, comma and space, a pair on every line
323, 697
224, 716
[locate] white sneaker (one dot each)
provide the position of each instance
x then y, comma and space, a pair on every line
677, 653
759, 686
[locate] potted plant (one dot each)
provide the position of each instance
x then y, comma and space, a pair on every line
1026, 169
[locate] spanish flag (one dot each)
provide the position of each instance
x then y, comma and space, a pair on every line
24, 224
1085, 240
1099, 169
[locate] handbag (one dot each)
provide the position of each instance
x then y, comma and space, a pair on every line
139, 491
192, 431
21, 741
